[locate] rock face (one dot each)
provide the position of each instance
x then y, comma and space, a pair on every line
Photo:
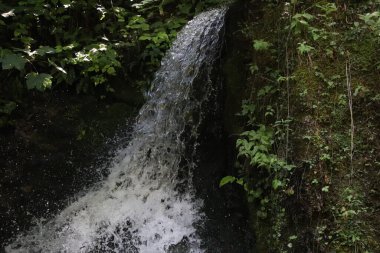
331, 198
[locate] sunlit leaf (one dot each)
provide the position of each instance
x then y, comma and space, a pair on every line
60, 69
45, 50
39, 82
227, 180
8, 14
276, 184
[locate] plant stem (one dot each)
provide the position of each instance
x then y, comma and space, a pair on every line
349, 92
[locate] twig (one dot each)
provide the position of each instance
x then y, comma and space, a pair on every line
349, 92
287, 91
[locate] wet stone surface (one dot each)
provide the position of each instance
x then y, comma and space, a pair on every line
56, 148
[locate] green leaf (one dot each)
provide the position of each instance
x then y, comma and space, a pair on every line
45, 50
307, 16
240, 181
325, 189
327, 7
8, 107
13, 61
276, 184
39, 82
138, 22
227, 180
261, 45
304, 48
145, 37
60, 69
8, 14
163, 36
111, 71
253, 68
289, 167
255, 194
66, 3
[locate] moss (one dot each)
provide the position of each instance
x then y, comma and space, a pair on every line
50, 153
364, 54
320, 138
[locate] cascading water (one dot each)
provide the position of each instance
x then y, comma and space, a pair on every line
147, 203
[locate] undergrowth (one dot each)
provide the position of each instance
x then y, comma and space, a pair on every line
82, 45
309, 158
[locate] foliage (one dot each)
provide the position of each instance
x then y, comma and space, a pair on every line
255, 146
81, 45
266, 177
303, 48
350, 231
372, 22
7, 107
309, 82
37, 81
260, 45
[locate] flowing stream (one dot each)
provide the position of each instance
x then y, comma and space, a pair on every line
147, 203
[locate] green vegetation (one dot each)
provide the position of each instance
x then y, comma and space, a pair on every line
81, 45
73, 74
308, 155
307, 151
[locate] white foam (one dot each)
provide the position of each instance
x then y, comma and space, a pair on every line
147, 203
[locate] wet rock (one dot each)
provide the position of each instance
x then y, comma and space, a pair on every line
182, 247
43, 162
126, 93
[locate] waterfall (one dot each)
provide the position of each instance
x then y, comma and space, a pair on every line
147, 203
